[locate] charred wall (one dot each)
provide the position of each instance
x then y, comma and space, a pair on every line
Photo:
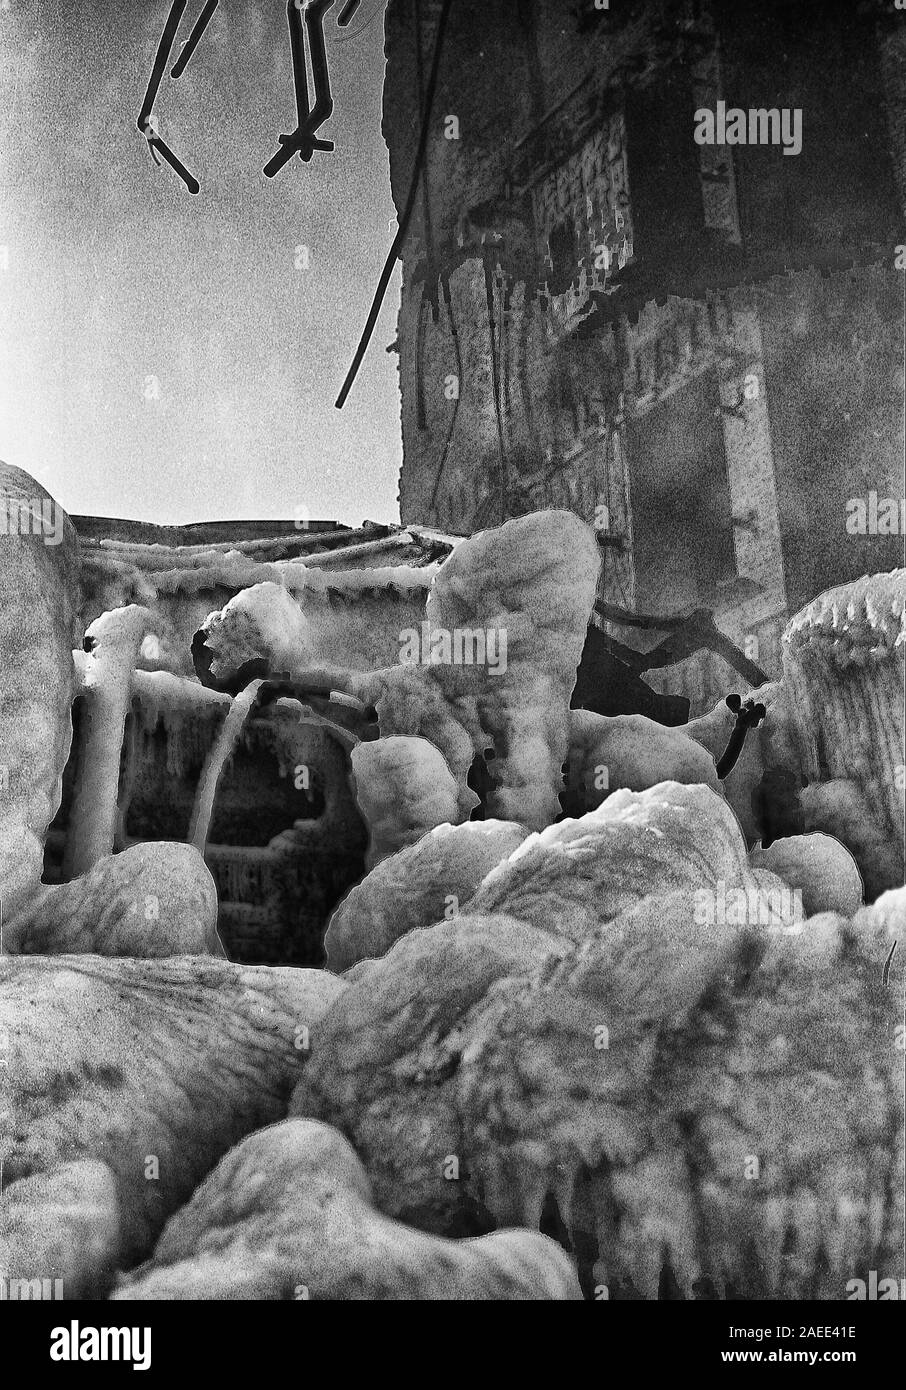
526, 370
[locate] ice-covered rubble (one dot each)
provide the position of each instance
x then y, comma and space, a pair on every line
150, 901
599, 1043
153, 1068
422, 884
605, 1028
529, 584
289, 1214
38, 604
404, 788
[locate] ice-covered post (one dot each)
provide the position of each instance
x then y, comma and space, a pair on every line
113, 642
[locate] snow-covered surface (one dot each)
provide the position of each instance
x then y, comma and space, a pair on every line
169, 571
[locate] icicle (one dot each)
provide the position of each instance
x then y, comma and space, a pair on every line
770, 1238
224, 745
174, 724
648, 1265
564, 1190
876, 1215
116, 638
532, 1190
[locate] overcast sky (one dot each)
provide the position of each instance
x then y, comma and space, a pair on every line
115, 275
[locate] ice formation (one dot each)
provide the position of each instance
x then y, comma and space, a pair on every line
527, 589
351, 618
819, 866
404, 788
843, 707
421, 884
221, 750
289, 1213
152, 900
630, 752
532, 579
576, 874
40, 675
262, 619
834, 729
38, 603
188, 714
113, 643
617, 1058
128, 1062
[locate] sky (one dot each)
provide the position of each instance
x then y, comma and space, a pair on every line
168, 357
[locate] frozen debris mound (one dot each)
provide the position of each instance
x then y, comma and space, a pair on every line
505, 624
289, 1213
843, 685
528, 586
690, 1091
574, 875
264, 620
631, 752
154, 1068
62, 1225
40, 675
39, 592
404, 788
819, 866
420, 885
152, 900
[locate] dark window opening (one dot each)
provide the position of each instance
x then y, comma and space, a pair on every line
682, 524
564, 260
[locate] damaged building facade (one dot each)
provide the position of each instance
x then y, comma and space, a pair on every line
697, 348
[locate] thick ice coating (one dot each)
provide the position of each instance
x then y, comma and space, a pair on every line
289, 1214
418, 886
154, 1068
404, 788
38, 603
152, 900
492, 667
821, 868
616, 1060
